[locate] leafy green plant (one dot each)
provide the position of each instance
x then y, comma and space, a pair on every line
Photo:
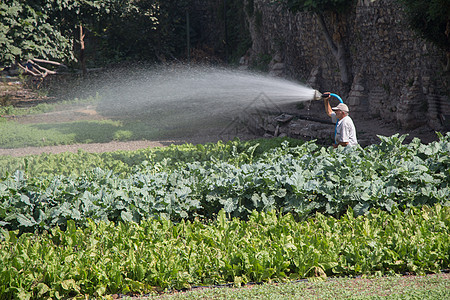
27, 31
235, 152
115, 30
302, 180
106, 258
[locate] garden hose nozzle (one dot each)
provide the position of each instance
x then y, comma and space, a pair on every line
317, 95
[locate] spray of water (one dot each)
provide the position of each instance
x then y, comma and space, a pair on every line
194, 96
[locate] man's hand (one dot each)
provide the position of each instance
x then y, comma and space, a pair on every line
326, 95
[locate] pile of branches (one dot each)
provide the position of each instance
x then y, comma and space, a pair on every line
34, 67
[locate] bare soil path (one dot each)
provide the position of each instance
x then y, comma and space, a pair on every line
104, 147
94, 148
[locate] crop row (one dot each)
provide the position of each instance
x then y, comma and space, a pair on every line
103, 258
235, 152
302, 180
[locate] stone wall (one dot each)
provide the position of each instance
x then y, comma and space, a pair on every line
395, 75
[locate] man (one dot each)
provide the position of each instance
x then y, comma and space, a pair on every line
345, 131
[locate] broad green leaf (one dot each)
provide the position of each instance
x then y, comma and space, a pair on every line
25, 221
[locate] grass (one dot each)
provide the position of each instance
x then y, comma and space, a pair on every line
15, 135
435, 286
146, 125
45, 107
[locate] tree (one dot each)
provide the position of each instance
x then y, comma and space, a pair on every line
431, 19
47, 29
148, 30
323, 10
77, 18
26, 31
56, 29
110, 30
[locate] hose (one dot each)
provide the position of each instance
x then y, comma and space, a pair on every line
335, 127
337, 96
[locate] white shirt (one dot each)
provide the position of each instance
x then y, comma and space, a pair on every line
345, 130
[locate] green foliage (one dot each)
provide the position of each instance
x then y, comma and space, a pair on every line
261, 63
115, 30
48, 29
431, 19
100, 259
144, 30
27, 31
23, 135
45, 107
174, 205
302, 180
125, 162
430, 287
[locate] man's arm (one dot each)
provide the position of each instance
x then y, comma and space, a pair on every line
326, 102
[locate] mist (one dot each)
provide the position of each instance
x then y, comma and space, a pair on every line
201, 91
180, 98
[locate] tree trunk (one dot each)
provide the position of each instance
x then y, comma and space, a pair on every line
338, 50
82, 56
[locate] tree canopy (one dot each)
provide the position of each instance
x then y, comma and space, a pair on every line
49, 29
27, 30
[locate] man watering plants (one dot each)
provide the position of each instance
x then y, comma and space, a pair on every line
345, 131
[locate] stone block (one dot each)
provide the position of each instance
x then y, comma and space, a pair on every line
278, 67
358, 87
353, 101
